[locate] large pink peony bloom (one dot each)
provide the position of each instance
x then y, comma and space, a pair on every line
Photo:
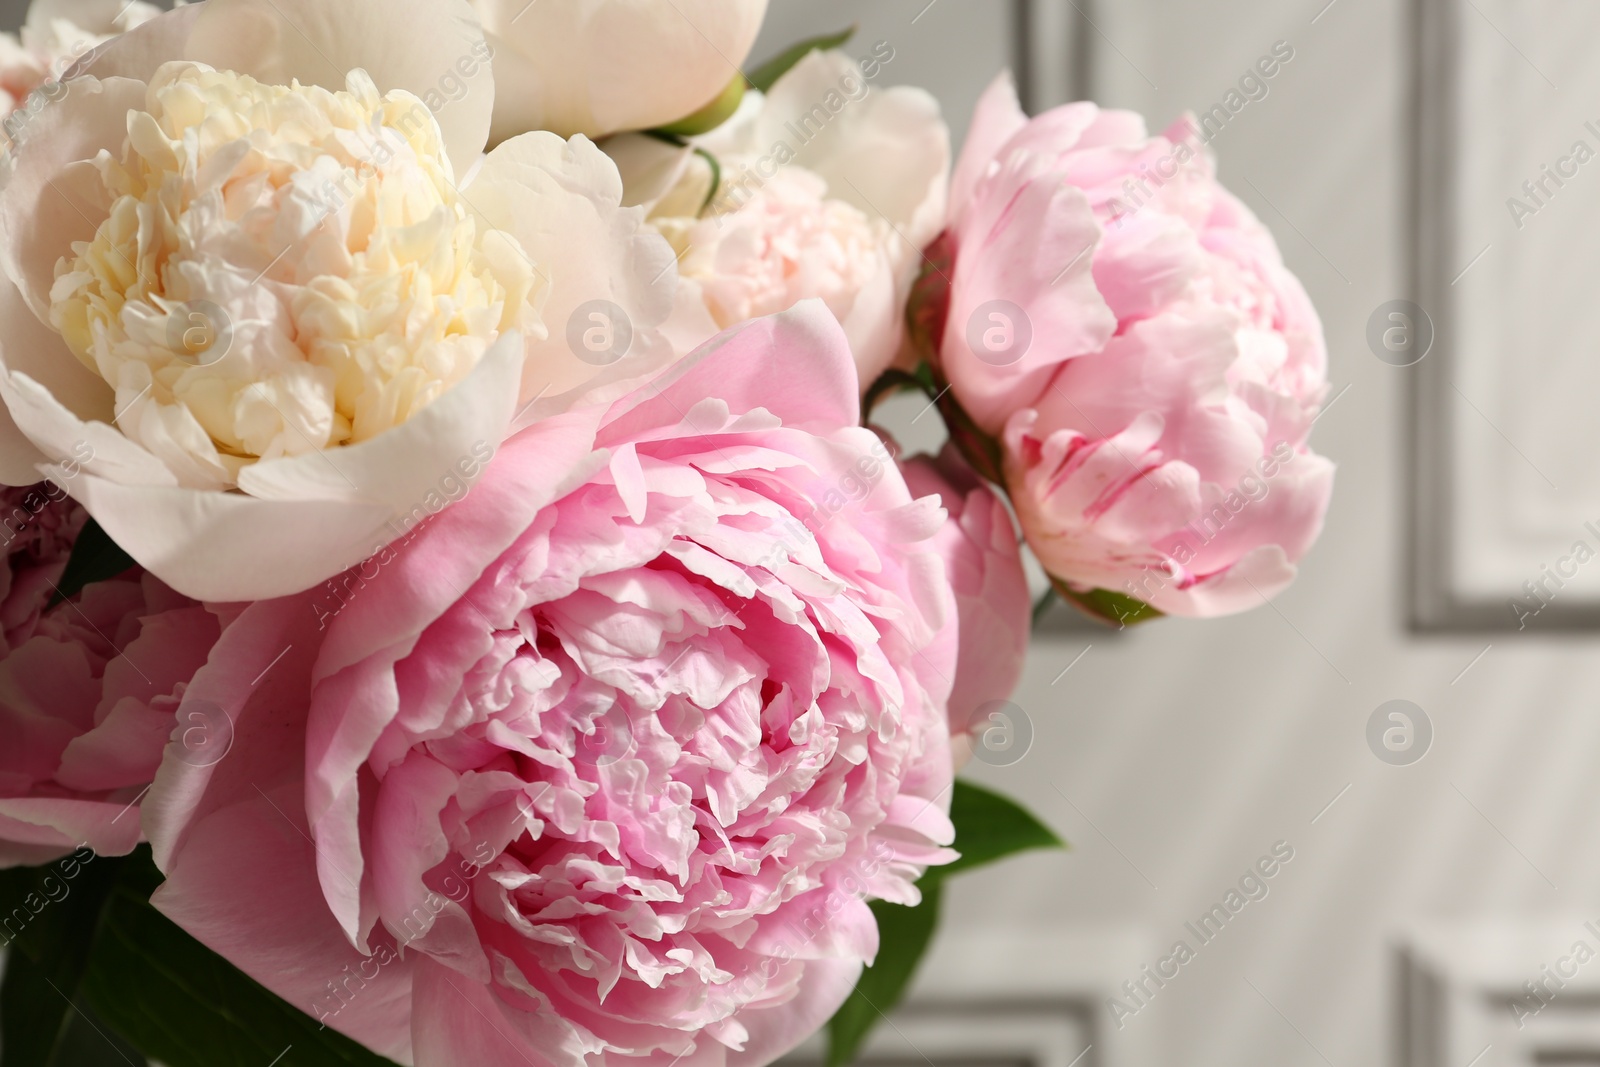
1128, 330
984, 562
88, 688
598, 772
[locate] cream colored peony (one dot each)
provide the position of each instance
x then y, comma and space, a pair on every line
354, 286
826, 187
601, 66
267, 299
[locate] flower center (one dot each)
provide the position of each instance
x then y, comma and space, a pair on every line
282, 269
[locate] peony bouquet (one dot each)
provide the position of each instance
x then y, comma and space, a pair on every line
456, 606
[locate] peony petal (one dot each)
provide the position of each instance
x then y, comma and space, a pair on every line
1029, 242
50, 198
417, 467
459, 1023
796, 364
562, 202
776, 1031
649, 166
227, 546
531, 469
19, 459
886, 151
433, 49
38, 829
138, 53
984, 566
311, 518
245, 887
98, 447
257, 677
1258, 576
608, 65
998, 118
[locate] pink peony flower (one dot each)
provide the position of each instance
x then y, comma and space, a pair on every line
88, 688
984, 561
599, 771
1128, 330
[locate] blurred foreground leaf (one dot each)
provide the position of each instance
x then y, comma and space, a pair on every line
94, 973
95, 557
184, 1005
48, 916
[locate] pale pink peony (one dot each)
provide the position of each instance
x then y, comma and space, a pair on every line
599, 772
829, 187
1154, 371
88, 688
984, 562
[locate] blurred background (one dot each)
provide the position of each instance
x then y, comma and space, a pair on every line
1432, 884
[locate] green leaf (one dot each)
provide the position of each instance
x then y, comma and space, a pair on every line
182, 1004
43, 1029
766, 76
1103, 604
904, 935
95, 557
989, 827
49, 916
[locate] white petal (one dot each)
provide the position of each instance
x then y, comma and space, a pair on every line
874, 323
562, 200
59, 434
887, 151
98, 17
49, 198
137, 53
228, 547
399, 468
30, 347
19, 460
649, 166
607, 65
434, 49
690, 324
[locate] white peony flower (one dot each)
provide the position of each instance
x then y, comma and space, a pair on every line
602, 66
244, 271
826, 187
